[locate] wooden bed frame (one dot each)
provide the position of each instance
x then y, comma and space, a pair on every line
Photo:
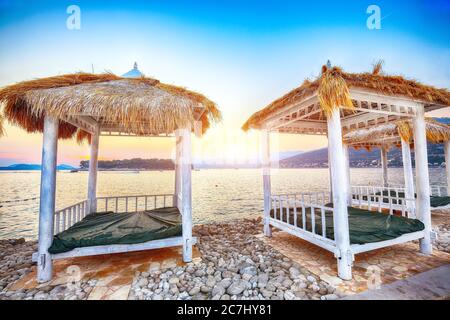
281, 204
67, 217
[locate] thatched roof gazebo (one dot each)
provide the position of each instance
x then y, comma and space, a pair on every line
86, 105
400, 134
334, 104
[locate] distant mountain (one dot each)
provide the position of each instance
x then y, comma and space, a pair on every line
24, 166
287, 154
361, 158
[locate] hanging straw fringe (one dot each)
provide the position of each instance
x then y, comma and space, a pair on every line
2, 129
436, 132
404, 130
333, 91
82, 136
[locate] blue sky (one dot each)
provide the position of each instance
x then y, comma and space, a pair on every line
241, 54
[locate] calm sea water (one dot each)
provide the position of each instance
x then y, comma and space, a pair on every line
218, 195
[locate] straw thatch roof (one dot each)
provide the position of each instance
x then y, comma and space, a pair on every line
332, 88
436, 133
136, 105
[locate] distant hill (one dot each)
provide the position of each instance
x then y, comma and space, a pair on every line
136, 164
287, 154
361, 158
25, 166
443, 120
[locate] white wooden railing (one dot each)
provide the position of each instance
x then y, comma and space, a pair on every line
134, 203
67, 217
310, 206
439, 190
435, 190
379, 198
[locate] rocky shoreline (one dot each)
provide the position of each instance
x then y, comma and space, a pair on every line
234, 265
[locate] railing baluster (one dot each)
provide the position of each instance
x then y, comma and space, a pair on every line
281, 209
57, 222
288, 209
295, 211
63, 220
303, 212
136, 205
275, 208
360, 197
380, 201
322, 212
69, 220
403, 208
313, 219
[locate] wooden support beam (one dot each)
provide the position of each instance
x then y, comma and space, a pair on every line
281, 123
346, 150
186, 192
291, 109
339, 190
177, 193
47, 198
265, 161
408, 174
93, 168
422, 179
119, 248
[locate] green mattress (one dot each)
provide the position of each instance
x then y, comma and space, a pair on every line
365, 226
119, 228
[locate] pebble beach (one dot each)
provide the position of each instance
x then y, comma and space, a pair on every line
234, 265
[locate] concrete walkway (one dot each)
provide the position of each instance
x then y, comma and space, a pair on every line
432, 284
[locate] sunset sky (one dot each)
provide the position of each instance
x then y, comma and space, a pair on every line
240, 54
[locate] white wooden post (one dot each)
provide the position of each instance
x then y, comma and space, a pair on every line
330, 174
186, 193
408, 174
177, 169
447, 164
47, 198
339, 187
265, 164
346, 150
93, 167
384, 165
422, 179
